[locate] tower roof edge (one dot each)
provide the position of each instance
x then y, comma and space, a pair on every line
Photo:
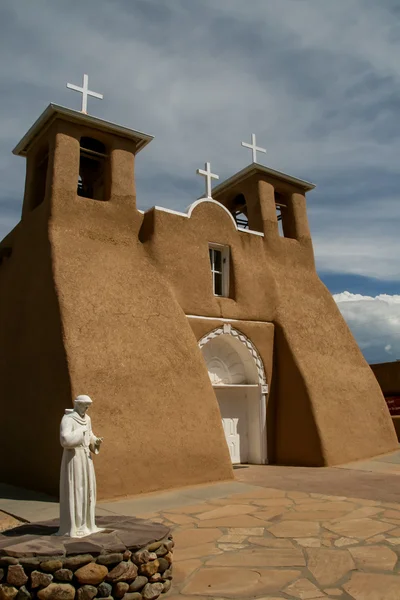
54, 111
255, 168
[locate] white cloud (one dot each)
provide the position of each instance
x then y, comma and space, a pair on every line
375, 323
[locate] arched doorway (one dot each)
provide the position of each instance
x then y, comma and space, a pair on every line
237, 375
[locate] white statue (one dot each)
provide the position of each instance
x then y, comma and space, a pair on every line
77, 478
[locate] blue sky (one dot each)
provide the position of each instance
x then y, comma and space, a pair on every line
318, 82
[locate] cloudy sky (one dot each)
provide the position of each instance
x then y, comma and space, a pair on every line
318, 81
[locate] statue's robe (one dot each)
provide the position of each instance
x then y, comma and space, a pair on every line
77, 477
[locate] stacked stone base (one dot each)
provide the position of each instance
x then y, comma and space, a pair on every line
134, 573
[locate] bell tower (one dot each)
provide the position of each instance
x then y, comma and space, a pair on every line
76, 161
67, 281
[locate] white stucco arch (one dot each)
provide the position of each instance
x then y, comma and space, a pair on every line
238, 377
244, 349
191, 208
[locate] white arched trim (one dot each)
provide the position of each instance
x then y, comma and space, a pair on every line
227, 329
211, 201
234, 371
190, 209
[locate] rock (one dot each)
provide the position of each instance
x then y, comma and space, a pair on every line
8, 560
141, 557
138, 583
29, 563
91, 573
133, 596
161, 551
372, 586
303, 588
104, 590
86, 592
167, 574
154, 546
167, 586
7, 592
169, 545
57, 591
168, 557
74, 562
163, 565
148, 569
154, 578
23, 594
16, 575
1, 574
151, 591
127, 554
374, 557
152, 556
120, 589
39, 579
125, 571
328, 565
110, 559
63, 575
49, 566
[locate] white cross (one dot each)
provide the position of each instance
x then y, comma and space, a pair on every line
84, 90
208, 175
254, 147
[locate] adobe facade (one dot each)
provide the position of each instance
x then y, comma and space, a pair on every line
388, 376
191, 364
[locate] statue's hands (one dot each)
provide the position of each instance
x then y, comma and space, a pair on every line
99, 440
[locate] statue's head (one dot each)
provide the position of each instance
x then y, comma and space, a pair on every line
81, 404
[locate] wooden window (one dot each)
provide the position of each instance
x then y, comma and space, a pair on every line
219, 262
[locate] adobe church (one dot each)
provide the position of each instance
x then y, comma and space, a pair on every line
204, 338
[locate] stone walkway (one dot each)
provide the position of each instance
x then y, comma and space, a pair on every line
282, 532
273, 544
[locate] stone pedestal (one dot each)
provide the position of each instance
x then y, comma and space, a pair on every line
130, 560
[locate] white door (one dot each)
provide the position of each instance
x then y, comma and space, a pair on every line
232, 438
233, 406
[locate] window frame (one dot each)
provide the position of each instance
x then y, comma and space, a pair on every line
225, 268
98, 156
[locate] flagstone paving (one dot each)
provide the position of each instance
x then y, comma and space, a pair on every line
294, 533
8, 522
309, 546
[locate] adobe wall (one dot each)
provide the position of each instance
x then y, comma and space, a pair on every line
178, 246
84, 310
34, 378
325, 404
94, 300
329, 409
388, 376
350, 413
128, 342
